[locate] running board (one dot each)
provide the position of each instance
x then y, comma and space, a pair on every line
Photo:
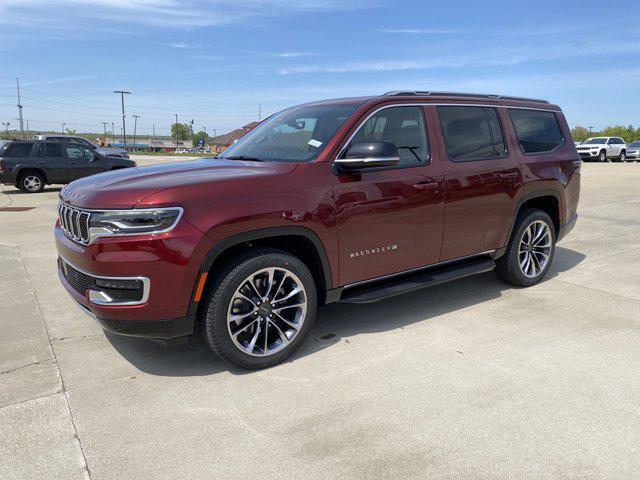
374, 292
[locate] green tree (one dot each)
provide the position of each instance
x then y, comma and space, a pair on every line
181, 130
579, 134
202, 135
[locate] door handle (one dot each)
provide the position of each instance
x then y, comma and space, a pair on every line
423, 186
508, 175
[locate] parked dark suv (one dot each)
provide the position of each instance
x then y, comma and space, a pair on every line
30, 164
350, 200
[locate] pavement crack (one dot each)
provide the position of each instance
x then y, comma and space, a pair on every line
41, 362
82, 337
55, 361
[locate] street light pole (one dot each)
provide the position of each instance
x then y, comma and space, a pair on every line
19, 109
113, 134
192, 133
63, 124
176, 132
124, 130
135, 127
6, 127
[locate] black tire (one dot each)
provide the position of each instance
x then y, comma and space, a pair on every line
215, 333
602, 156
623, 157
508, 267
31, 182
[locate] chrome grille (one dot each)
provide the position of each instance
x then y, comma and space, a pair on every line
74, 223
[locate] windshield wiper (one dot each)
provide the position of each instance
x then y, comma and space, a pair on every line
243, 157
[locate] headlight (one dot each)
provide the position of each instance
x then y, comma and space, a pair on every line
113, 223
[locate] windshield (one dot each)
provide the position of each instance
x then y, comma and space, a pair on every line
635, 144
597, 140
298, 134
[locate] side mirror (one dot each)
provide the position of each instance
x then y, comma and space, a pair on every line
371, 154
93, 147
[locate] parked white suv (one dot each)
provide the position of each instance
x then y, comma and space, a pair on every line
603, 149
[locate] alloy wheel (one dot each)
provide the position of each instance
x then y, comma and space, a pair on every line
32, 183
534, 251
267, 311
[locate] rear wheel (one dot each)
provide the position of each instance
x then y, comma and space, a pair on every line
31, 182
260, 309
530, 250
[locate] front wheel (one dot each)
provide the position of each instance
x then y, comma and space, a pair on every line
623, 157
260, 309
602, 157
530, 250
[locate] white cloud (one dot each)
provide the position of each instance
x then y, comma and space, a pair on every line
163, 13
282, 54
417, 31
178, 45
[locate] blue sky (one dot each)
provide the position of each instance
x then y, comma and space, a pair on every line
215, 61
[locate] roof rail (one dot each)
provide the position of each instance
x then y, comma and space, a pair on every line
419, 93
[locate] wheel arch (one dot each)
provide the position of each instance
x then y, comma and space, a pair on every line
299, 241
548, 201
27, 169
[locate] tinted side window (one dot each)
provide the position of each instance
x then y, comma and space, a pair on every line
537, 131
54, 150
41, 153
403, 126
467, 134
18, 150
78, 152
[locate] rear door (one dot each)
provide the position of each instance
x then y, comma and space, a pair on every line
82, 161
481, 180
50, 156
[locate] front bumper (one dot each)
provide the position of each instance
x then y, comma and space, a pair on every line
166, 266
588, 155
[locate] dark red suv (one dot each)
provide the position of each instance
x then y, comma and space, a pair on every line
351, 200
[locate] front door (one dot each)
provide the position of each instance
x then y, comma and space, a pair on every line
481, 179
82, 161
390, 220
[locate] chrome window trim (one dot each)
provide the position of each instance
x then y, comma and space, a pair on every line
146, 286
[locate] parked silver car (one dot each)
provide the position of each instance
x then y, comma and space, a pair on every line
633, 151
106, 151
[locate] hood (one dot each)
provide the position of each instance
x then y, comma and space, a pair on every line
127, 187
590, 145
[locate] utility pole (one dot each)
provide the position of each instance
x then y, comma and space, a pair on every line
27, 129
215, 133
63, 124
135, 127
124, 130
104, 124
19, 109
154, 137
113, 134
176, 132
192, 133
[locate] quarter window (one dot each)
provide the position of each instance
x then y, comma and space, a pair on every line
18, 150
537, 131
472, 133
403, 126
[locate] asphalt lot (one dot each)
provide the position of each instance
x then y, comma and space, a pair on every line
471, 379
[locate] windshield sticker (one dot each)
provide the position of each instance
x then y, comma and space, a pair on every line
314, 143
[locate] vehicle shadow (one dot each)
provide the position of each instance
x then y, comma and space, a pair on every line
337, 322
10, 190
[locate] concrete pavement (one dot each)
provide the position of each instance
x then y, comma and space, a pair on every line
471, 379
